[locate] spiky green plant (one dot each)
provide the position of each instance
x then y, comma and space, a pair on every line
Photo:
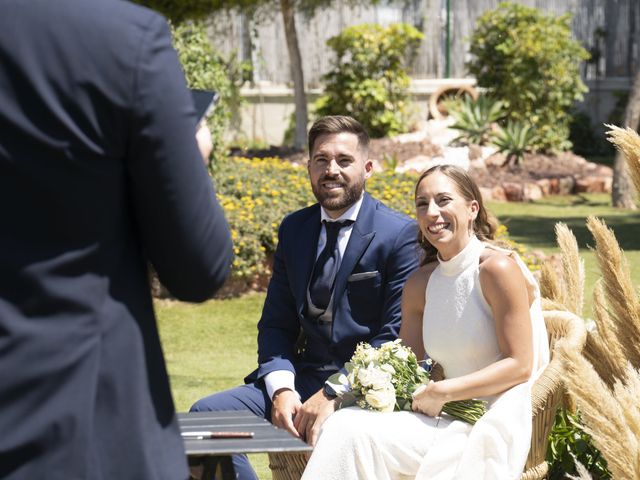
474, 118
514, 139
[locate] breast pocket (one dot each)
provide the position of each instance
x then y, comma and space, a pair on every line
364, 290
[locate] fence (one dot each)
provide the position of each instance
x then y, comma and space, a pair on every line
610, 29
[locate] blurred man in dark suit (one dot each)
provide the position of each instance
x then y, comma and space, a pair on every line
100, 173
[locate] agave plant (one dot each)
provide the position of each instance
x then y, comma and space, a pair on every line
514, 139
474, 118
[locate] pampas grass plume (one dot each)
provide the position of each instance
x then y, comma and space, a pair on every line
622, 300
628, 142
572, 269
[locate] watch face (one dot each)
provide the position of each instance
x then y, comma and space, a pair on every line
329, 391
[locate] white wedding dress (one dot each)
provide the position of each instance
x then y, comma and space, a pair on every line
459, 333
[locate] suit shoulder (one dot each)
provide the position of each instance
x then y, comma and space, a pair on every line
388, 214
300, 215
134, 11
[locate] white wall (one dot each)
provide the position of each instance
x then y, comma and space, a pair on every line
268, 107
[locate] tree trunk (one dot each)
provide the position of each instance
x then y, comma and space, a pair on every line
295, 60
622, 191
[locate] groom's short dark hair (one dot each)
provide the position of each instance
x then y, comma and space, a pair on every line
338, 124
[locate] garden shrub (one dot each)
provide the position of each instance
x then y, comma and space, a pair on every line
257, 194
586, 139
369, 80
207, 69
529, 60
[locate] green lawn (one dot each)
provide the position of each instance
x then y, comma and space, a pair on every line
212, 346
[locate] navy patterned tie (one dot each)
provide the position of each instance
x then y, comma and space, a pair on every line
326, 267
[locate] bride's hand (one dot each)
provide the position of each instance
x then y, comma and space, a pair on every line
427, 400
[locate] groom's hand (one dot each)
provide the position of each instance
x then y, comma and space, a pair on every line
312, 415
285, 406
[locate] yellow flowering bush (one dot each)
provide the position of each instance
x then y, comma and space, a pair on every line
258, 193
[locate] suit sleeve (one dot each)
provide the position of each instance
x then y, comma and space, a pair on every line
402, 261
279, 327
182, 227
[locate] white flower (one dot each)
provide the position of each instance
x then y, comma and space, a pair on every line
402, 354
385, 367
383, 399
367, 355
373, 377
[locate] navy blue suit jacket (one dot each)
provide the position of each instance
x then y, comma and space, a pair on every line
366, 308
99, 174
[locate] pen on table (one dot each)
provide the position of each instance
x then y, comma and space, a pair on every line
201, 435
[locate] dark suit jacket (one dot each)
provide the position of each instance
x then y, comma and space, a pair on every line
365, 307
99, 173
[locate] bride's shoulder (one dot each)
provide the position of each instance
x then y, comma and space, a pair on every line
498, 263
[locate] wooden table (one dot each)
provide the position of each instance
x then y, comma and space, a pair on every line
266, 438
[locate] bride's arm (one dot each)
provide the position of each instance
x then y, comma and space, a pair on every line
413, 295
504, 288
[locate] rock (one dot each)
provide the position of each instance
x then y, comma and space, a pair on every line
419, 163
495, 159
592, 184
545, 186
417, 136
513, 191
566, 185
458, 156
439, 131
531, 192
477, 164
604, 171
475, 152
498, 194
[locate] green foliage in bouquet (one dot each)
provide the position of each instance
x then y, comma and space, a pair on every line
530, 61
385, 378
369, 80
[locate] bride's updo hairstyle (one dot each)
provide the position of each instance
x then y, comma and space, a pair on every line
484, 226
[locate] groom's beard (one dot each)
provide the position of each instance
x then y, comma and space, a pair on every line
341, 199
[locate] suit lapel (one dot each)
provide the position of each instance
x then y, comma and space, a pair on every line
361, 237
307, 247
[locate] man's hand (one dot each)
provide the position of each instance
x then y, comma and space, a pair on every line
203, 137
312, 415
286, 405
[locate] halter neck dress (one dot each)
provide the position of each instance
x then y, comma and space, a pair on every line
459, 333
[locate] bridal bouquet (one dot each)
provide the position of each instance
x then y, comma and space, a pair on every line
385, 378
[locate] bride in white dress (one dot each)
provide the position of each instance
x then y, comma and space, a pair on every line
475, 309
